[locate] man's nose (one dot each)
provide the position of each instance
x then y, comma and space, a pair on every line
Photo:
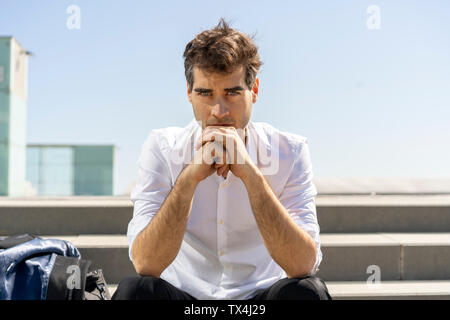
220, 110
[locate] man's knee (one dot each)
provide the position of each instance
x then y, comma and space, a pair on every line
139, 287
306, 288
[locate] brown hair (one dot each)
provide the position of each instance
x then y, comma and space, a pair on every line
222, 50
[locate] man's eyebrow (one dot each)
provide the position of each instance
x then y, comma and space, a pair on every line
236, 88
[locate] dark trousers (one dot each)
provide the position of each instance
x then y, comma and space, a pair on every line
151, 288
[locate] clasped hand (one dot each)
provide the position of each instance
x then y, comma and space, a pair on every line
227, 150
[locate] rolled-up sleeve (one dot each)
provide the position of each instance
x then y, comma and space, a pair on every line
153, 184
298, 197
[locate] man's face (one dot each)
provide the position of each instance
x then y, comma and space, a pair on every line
219, 99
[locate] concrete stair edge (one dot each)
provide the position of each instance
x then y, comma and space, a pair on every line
386, 290
335, 214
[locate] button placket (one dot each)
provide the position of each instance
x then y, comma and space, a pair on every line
220, 222
222, 237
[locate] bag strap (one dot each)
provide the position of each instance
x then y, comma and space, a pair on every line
96, 286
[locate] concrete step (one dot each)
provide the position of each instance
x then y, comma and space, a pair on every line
383, 213
385, 290
399, 256
346, 257
388, 290
65, 215
330, 186
336, 214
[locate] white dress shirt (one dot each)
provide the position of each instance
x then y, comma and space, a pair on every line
222, 255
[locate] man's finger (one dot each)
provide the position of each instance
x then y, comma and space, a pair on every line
225, 174
215, 136
218, 164
201, 142
222, 170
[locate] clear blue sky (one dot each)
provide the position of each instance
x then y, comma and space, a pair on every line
373, 103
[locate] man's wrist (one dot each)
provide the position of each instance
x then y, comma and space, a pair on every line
252, 174
186, 179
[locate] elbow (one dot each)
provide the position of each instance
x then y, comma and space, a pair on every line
144, 270
311, 261
301, 272
305, 267
143, 267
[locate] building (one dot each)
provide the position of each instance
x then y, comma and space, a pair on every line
51, 170
13, 100
64, 170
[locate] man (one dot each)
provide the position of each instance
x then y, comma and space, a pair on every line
215, 217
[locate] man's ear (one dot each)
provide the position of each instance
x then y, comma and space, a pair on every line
189, 93
255, 90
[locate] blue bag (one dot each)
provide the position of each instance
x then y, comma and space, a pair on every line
32, 268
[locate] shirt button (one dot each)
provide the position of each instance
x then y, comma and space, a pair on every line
221, 221
221, 252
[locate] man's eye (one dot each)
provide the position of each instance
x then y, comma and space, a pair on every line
202, 94
234, 93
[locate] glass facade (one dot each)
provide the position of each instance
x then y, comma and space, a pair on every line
70, 170
93, 168
13, 97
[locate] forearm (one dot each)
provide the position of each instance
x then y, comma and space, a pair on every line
157, 245
290, 246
